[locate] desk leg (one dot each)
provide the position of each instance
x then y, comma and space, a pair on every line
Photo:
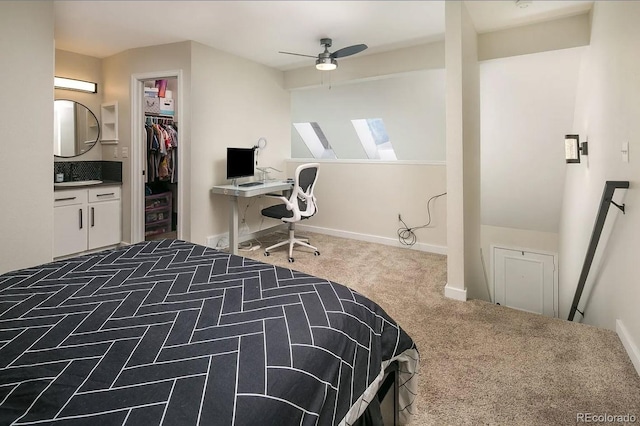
233, 225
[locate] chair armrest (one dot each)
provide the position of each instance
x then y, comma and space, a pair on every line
278, 196
281, 198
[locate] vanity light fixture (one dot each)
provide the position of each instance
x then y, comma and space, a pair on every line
573, 148
72, 84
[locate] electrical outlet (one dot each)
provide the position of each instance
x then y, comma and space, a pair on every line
125, 152
115, 152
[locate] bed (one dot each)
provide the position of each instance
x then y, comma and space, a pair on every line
170, 332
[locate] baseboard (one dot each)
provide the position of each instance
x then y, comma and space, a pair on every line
372, 239
629, 345
455, 293
214, 240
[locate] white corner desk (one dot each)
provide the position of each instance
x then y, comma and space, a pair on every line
234, 192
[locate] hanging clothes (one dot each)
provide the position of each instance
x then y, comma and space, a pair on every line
162, 150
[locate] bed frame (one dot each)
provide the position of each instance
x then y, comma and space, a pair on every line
389, 382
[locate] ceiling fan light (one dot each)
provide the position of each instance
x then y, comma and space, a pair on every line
326, 64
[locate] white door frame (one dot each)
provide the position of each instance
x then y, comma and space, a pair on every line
138, 153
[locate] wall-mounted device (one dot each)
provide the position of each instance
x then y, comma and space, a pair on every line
573, 148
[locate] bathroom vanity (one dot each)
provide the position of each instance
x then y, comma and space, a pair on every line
86, 218
87, 208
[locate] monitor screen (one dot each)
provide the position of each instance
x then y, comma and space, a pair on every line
240, 162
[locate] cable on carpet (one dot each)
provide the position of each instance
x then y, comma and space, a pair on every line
407, 235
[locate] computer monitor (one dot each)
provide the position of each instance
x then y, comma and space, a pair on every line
240, 162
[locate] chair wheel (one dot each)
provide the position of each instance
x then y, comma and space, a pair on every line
291, 260
266, 253
316, 253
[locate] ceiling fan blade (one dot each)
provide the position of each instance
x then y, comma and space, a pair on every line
349, 50
298, 54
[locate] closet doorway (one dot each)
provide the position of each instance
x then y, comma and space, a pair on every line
156, 189
161, 159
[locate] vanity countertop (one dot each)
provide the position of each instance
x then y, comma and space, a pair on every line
105, 182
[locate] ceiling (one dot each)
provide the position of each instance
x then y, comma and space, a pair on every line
257, 30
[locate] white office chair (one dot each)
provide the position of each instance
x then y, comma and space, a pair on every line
299, 206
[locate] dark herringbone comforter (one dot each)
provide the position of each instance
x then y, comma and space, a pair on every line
169, 332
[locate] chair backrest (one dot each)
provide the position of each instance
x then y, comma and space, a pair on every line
302, 195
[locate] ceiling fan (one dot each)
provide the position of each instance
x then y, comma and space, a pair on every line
326, 61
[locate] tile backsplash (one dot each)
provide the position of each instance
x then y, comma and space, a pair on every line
89, 170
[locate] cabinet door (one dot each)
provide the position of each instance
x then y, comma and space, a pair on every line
70, 229
104, 224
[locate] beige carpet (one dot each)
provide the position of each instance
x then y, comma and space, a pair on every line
481, 364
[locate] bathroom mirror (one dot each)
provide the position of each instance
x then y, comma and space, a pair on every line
75, 128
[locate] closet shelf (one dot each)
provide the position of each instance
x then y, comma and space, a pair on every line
147, 114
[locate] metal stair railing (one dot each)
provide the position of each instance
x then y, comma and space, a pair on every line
607, 199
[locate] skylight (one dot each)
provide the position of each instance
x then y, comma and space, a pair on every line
315, 140
374, 138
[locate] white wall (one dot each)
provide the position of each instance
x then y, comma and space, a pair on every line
415, 58
464, 268
415, 124
87, 68
399, 188
361, 200
26, 217
234, 103
117, 71
527, 105
557, 34
227, 101
607, 113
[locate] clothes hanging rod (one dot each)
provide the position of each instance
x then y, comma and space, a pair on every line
170, 117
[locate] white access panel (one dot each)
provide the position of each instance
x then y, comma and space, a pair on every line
525, 280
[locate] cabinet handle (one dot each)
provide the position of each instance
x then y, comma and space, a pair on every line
65, 199
80, 211
104, 195
92, 216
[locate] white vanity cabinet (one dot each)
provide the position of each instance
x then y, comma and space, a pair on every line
69, 221
86, 219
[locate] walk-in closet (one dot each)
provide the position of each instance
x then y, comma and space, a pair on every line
161, 158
